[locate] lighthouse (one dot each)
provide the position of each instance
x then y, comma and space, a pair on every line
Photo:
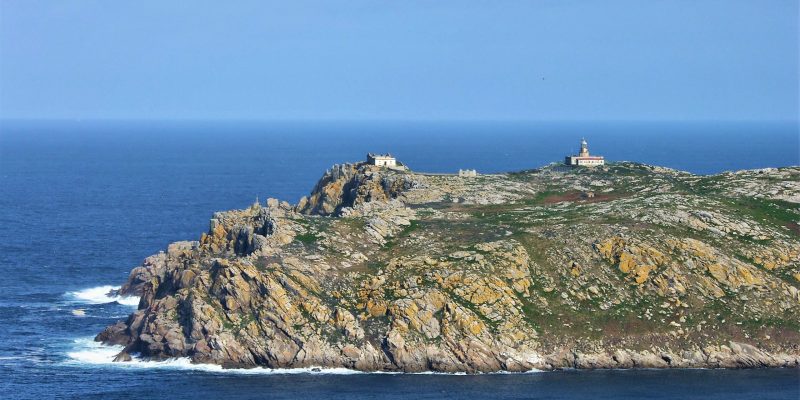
584, 149
583, 158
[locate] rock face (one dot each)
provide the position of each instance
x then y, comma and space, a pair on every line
350, 185
396, 271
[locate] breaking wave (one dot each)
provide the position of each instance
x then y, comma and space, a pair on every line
99, 295
88, 352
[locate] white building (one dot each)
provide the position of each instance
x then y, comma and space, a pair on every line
583, 158
467, 172
382, 160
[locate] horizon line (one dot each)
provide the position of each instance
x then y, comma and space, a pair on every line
392, 120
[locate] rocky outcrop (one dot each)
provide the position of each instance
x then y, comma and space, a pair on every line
350, 185
385, 270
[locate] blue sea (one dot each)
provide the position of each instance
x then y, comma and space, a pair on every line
81, 203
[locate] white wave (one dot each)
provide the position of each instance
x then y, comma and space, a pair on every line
88, 352
99, 295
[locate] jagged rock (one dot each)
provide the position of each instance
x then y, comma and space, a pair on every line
349, 185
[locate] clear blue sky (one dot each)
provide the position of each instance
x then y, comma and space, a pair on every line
411, 60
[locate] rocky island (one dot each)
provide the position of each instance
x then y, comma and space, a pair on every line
621, 265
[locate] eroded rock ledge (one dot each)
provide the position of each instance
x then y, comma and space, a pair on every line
624, 266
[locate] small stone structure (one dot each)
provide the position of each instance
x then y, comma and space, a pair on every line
467, 172
386, 161
382, 160
583, 158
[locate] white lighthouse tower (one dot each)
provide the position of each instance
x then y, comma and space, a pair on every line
584, 148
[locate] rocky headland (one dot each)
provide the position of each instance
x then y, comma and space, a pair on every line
620, 266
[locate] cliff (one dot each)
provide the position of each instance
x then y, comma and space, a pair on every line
621, 266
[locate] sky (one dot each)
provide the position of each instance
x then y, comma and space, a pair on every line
400, 60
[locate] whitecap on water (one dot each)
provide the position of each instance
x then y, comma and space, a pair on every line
99, 295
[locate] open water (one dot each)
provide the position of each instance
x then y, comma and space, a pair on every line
81, 203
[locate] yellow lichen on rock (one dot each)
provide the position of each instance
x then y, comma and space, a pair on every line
218, 232
376, 308
736, 274
642, 272
575, 271
718, 272
637, 261
695, 248
775, 258
626, 262
464, 320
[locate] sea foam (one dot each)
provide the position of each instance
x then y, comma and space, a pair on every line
86, 351
99, 295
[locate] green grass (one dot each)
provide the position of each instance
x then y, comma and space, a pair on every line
776, 212
704, 186
404, 233
785, 323
307, 238
413, 226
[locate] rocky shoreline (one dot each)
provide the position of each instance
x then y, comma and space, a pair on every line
621, 266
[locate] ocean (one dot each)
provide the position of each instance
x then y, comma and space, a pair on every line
82, 203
